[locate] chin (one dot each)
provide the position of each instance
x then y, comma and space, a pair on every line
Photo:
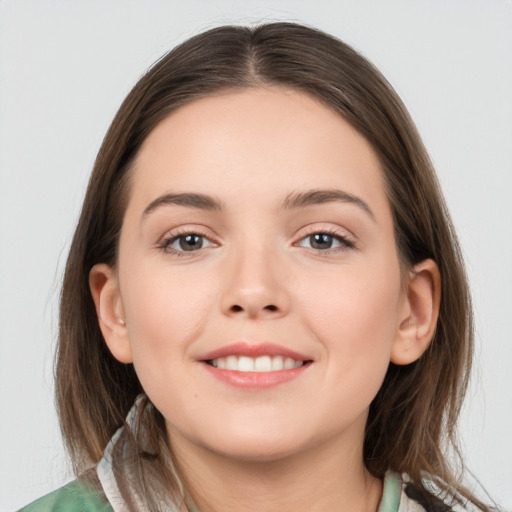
254, 443
257, 450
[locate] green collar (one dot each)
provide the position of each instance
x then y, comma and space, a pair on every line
392, 489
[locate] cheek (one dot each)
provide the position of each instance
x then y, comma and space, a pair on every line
157, 296
165, 312
354, 304
353, 314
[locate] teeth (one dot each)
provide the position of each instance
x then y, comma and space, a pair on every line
277, 363
256, 364
245, 364
288, 363
231, 363
263, 364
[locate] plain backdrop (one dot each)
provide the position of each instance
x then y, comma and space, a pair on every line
65, 67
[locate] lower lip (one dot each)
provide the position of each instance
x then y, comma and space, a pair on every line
256, 380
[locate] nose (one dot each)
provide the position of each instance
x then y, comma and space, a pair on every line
255, 285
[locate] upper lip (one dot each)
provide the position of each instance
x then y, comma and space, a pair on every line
242, 348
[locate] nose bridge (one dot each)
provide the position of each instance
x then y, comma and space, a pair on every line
255, 286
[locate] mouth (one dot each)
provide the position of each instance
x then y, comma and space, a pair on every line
255, 366
264, 363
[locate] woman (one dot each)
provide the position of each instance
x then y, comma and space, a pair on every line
266, 278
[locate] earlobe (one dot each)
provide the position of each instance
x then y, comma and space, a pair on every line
418, 320
109, 310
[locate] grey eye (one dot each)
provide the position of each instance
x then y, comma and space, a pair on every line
190, 242
321, 241
324, 241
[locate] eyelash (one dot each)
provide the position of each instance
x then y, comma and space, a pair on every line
165, 244
346, 243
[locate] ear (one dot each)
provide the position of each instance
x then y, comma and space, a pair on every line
418, 318
109, 308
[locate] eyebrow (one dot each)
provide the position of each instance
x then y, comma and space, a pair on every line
292, 201
314, 197
190, 200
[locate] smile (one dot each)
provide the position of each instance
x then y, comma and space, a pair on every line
254, 366
264, 363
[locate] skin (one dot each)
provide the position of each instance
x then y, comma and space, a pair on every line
259, 278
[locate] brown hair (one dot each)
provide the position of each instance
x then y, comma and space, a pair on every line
412, 419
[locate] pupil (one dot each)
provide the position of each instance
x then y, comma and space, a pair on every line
190, 242
321, 241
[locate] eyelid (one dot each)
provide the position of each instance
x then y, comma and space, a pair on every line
325, 227
346, 237
171, 236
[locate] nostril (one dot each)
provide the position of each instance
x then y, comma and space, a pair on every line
236, 308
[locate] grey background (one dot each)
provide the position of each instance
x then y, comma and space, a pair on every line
65, 66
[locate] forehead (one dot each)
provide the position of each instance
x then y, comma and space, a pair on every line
260, 141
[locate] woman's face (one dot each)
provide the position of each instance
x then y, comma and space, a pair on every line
258, 275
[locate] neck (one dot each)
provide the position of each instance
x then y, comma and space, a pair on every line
322, 479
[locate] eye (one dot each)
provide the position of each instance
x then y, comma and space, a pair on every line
186, 242
324, 241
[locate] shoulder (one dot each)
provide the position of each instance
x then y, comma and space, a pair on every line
77, 496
